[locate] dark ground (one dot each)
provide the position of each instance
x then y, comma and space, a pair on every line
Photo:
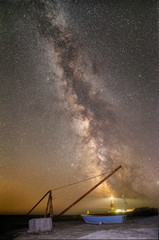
11, 223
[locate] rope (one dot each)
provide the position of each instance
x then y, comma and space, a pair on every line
71, 184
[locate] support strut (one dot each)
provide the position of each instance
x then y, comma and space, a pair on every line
49, 204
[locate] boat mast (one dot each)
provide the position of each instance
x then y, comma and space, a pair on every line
84, 195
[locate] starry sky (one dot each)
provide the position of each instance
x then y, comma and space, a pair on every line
79, 96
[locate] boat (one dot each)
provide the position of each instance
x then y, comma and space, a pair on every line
97, 219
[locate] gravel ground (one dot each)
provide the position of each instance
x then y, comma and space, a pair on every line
139, 228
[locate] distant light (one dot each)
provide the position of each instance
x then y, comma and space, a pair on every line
119, 210
158, 182
122, 210
130, 210
111, 198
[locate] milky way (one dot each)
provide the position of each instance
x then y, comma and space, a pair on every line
104, 129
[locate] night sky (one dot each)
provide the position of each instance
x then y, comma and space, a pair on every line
79, 96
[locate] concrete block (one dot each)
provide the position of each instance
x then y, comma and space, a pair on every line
38, 225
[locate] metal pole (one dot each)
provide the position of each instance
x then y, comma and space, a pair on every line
46, 212
79, 199
51, 205
38, 202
